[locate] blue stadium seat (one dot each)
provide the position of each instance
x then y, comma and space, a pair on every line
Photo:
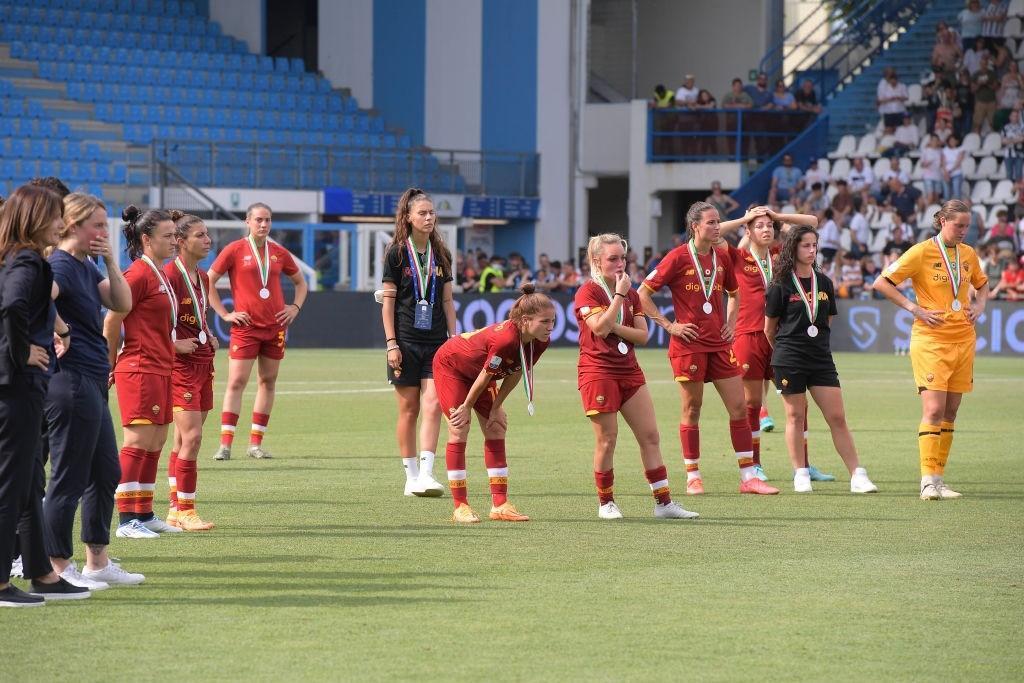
298, 66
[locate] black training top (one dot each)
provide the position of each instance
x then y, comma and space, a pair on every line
793, 346
398, 271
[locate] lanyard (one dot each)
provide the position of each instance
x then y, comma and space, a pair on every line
167, 290
810, 306
600, 280
952, 268
420, 277
707, 284
527, 376
765, 267
264, 263
200, 310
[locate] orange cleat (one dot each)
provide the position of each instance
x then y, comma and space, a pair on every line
172, 516
189, 521
506, 512
757, 486
464, 515
695, 487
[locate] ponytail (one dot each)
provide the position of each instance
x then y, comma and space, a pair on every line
531, 302
137, 224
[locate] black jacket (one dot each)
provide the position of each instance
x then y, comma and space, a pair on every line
26, 280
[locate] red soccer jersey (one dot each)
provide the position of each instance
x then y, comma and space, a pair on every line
494, 348
147, 329
752, 289
239, 263
188, 324
677, 271
602, 357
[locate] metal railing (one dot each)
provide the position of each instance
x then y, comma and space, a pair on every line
178, 191
721, 134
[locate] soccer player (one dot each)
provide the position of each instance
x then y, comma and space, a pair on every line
259, 322
466, 370
83, 449
799, 306
419, 315
752, 262
942, 340
142, 369
696, 274
610, 379
192, 377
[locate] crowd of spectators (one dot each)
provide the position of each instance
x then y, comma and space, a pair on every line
757, 95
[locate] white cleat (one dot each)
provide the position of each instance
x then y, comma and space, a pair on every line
929, 492
859, 482
258, 452
134, 529
945, 493
160, 526
673, 511
114, 575
223, 453
802, 483
609, 511
425, 486
76, 578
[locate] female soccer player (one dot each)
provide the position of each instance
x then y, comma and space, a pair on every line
192, 377
83, 449
799, 306
259, 323
610, 379
942, 340
466, 370
419, 315
696, 274
30, 222
142, 370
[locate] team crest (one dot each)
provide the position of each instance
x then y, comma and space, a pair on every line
693, 368
600, 399
746, 366
155, 409
273, 257
785, 382
930, 377
187, 395
234, 347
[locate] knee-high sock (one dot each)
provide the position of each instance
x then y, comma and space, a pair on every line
754, 421
259, 428
147, 484
228, 423
739, 432
172, 479
806, 461
455, 461
658, 479
497, 470
187, 475
605, 482
929, 438
127, 492
945, 444
689, 438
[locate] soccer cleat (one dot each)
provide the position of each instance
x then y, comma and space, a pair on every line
695, 487
767, 424
929, 492
506, 512
114, 575
464, 515
60, 590
76, 578
16, 569
609, 511
172, 516
427, 487
134, 529
673, 510
859, 482
757, 486
802, 483
759, 473
258, 452
12, 596
223, 453
188, 520
160, 526
945, 493
818, 475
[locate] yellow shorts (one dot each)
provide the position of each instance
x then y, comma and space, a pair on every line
943, 367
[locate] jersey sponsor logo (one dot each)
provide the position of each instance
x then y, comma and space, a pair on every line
690, 271
750, 269
187, 301
494, 363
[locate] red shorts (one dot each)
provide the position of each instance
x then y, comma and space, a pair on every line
251, 342
452, 391
143, 398
754, 354
192, 387
609, 394
705, 366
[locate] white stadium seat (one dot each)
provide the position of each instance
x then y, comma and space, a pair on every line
1012, 28
1000, 173
993, 144
918, 172
840, 169
1016, 8
982, 191
968, 167
867, 146
906, 165
788, 208
914, 93
847, 145
979, 210
881, 165
1003, 193
824, 165
971, 143
987, 169
929, 214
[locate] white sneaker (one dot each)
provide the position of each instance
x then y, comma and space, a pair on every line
223, 453
428, 487
75, 578
16, 569
258, 452
802, 482
411, 486
859, 482
160, 526
929, 492
134, 529
673, 511
114, 575
609, 511
945, 493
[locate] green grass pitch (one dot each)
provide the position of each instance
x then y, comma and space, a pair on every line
321, 570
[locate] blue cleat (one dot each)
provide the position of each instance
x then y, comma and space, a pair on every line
767, 424
818, 475
759, 473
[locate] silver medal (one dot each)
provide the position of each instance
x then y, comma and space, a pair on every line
163, 289
956, 305
264, 293
707, 307
202, 336
623, 349
812, 331
529, 408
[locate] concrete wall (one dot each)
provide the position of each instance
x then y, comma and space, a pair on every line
345, 46
243, 19
453, 72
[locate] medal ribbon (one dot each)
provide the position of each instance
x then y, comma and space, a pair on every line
706, 284
600, 280
527, 372
200, 311
952, 269
764, 268
420, 277
264, 263
810, 306
167, 290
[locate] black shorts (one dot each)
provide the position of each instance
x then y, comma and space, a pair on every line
417, 364
791, 380
892, 120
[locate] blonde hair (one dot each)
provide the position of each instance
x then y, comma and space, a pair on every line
595, 247
948, 211
78, 207
531, 302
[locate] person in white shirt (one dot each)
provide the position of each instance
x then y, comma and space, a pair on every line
813, 174
861, 177
972, 58
906, 137
993, 19
860, 231
828, 237
894, 171
970, 23
931, 169
686, 94
952, 170
891, 97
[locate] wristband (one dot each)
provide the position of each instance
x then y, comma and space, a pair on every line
65, 335
298, 307
390, 339
619, 294
392, 348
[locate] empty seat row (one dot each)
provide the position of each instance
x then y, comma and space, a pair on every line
10, 33
241, 118
45, 128
332, 103
37, 148
146, 133
123, 23
188, 78
171, 8
868, 145
11, 169
190, 58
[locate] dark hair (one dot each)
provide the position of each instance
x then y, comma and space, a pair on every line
52, 184
815, 186
786, 260
737, 80
183, 222
254, 206
531, 302
29, 211
403, 228
137, 224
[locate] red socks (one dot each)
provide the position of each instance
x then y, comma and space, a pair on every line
147, 484
497, 470
259, 428
228, 422
658, 479
187, 474
604, 481
739, 432
172, 480
689, 437
128, 491
455, 462
754, 422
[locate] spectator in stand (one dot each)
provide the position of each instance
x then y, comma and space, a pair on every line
970, 23
815, 203
943, 26
860, 229
737, 98
891, 97
946, 53
1013, 145
984, 85
705, 100
1011, 85
931, 95
518, 271
972, 58
828, 237
720, 200
663, 99
569, 277
492, 277
851, 277
944, 126
952, 168
1003, 234
993, 20
760, 95
806, 97
782, 99
900, 239
894, 171
963, 112
869, 272
813, 174
842, 202
860, 177
1011, 284
904, 198
1001, 60
686, 94
906, 138
787, 180
1018, 199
